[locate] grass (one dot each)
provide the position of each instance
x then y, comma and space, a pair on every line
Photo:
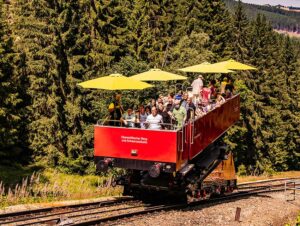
242, 179
50, 185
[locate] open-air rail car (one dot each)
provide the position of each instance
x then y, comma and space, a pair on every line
190, 161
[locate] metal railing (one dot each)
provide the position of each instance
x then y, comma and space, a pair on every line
137, 125
293, 186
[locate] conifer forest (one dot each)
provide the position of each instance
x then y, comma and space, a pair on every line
47, 47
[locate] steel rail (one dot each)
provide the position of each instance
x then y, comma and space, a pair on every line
31, 214
267, 186
268, 180
57, 219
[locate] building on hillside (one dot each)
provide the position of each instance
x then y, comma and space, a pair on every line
289, 8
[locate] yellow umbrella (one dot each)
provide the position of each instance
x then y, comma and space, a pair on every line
234, 65
206, 68
157, 75
115, 82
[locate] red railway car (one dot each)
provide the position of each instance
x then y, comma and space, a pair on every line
176, 161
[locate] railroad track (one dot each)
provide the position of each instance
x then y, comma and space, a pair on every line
99, 212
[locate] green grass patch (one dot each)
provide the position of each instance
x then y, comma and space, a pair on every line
275, 175
24, 185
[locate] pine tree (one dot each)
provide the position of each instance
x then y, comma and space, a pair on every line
10, 117
35, 35
240, 33
73, 52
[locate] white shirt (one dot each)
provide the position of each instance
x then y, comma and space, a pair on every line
197, 85
143, 118
154, 121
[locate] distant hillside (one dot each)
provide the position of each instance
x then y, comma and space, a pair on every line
281, 19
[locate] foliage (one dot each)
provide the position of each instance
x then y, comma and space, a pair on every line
54, 186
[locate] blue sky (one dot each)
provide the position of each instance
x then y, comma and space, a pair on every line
295, 3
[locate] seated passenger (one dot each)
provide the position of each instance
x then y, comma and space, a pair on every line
154, 120
229, 87
142, 117
159, 101
213, 89
179, 114
128, 118
208, 107
148, 110
228, 94
220, 100
190, 108
162, 110
200, 112
152, 103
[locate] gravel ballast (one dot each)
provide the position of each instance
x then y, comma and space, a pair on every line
269, 209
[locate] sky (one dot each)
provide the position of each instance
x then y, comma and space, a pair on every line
295, 3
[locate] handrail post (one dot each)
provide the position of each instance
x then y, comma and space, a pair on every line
192, 125
294, 190
182, 138
285, 187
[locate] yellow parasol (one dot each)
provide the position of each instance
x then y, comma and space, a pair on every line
115, 82
157, 75
234, 65
206, 68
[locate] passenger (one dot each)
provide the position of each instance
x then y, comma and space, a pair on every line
148, 110
179, 95
170, 104
208, 107
179, 114
229, 86
220, 100
223, 85
171, 95
152, 103
128, 118
162, 110
142, 116
206, 92
154, 120
213, 90
115, 109
184, 100
159, 101
228, 94
197, 86
190, 109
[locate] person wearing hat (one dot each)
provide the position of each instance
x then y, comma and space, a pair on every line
197, 86
178, 113
223, 85
115, 110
